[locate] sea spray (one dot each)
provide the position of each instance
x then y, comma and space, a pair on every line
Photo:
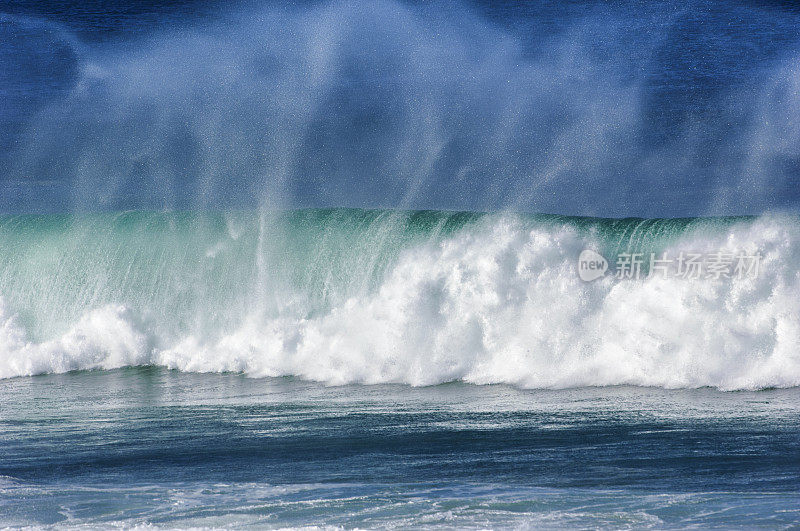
387, 104
422, 298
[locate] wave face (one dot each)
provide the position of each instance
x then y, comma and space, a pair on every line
353, 296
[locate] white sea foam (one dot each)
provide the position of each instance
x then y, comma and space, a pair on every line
495, 302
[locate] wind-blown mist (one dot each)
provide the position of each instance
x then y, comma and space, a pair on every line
384, 104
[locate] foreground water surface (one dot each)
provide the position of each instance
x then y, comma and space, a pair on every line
146, 445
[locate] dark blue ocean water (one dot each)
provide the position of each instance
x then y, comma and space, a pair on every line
151, 446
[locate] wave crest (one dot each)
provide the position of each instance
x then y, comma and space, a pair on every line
497, 300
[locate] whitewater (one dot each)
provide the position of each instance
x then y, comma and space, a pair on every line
344, 296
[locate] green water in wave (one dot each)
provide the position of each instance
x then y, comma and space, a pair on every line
210, 271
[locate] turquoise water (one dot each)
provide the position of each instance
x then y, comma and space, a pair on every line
209, 270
